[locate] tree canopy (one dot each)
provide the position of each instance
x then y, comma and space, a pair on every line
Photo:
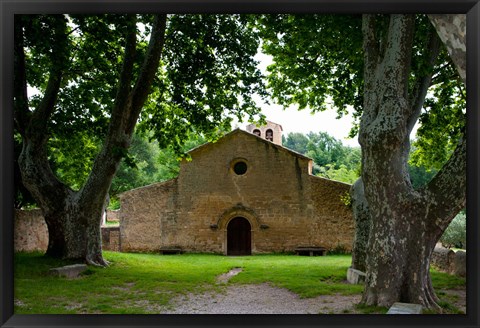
95, 77
392, 70
318, 62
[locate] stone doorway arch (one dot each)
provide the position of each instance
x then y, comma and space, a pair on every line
243, 212
239, 236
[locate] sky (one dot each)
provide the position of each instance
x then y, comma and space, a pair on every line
293, 120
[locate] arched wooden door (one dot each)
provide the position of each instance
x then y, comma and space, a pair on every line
239, 237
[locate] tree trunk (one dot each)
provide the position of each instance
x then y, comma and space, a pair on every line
405, 223
363, 222
451, 29
74, 217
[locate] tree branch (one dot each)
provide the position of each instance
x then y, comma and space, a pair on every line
422, 83
398, 55
370, 45
148, 71
59, 58
127, 107
451, 29
123, 96
33, 160
386, 108
447, 190
20, 79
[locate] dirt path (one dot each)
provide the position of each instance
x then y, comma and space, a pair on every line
261, 299
267, 299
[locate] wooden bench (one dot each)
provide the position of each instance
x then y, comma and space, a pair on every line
311, 251
170, 251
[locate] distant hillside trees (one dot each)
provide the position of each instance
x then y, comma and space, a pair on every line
335, 161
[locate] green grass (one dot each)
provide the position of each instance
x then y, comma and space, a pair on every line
144, 283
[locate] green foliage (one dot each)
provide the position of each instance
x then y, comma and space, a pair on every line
332, 160
442, 122
72, 158
296, 141
340, 249
442, 280
207, 75
318, 61
419, 175
314, 56
346, 199
456, 233
150, 164
140, 170
342, 174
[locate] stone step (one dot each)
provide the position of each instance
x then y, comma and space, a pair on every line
69, 271
405, 308
355, 276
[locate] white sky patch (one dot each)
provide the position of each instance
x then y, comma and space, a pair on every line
303, 121
293, 120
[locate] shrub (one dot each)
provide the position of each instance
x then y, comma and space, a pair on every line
456, 233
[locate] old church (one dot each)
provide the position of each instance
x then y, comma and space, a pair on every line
243, 194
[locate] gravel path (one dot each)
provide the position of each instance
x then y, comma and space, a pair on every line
260, 299
267, 299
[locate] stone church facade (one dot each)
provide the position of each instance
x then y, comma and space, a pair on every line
244, 194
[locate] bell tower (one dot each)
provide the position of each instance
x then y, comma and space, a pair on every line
271, 131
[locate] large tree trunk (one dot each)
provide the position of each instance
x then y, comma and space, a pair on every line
363, 222
74, 217
451, 29
405, 223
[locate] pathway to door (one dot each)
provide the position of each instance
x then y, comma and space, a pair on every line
239, 237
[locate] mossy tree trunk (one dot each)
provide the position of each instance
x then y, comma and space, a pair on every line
363, 222
405, 223
74, 217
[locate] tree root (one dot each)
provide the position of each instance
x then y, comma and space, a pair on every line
100, 262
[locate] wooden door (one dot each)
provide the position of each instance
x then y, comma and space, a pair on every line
239, 237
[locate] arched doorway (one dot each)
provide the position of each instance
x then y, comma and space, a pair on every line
239, 237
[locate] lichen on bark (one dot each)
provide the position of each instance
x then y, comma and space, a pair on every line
405, 223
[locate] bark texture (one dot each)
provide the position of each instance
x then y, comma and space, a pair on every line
405, 223
452, 31
361, 215
74, 217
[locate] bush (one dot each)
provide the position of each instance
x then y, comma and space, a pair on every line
456, 233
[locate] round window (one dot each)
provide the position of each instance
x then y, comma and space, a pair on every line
240, 168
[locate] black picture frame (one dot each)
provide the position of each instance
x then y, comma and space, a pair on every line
8, 8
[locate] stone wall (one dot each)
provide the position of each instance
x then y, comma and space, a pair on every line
31, 233
285, 205
111, 239
447, 260
113, 215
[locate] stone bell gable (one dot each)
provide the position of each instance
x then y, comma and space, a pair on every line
239, 195
269, 131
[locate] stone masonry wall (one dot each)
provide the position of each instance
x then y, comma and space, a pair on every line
336, 225
31, 233
447, 260
285, 205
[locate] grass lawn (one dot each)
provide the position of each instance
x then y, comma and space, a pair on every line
142, 283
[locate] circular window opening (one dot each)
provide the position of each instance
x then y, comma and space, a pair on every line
240, 168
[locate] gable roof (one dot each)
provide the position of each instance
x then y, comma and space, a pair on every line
238, 131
